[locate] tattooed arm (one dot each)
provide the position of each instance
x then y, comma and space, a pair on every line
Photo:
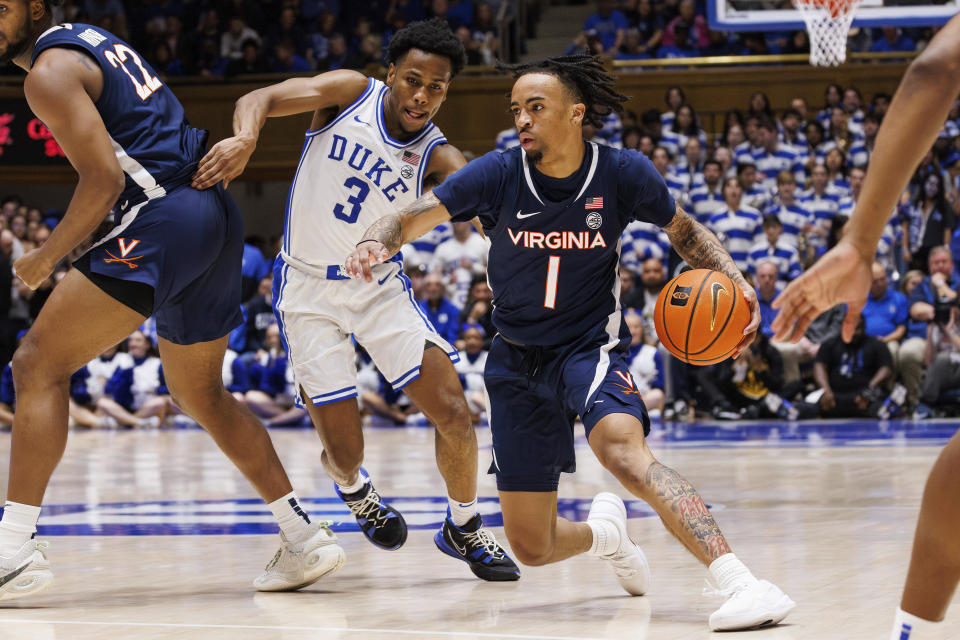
702, 250
384, 237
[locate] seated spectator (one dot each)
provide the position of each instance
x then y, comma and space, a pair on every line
797, 220
235, 376
273, 390
886, 313
367, 53
287, 30
753, 195
285, 59
682, 46
473, 48
677, 183
771, 158
479, 309
653, 277
748, 387
766, 279
89, 384
823, 205
790, 128
707, 199
893, 39
773, 249
208, 62
686, 16
98, 10
817, 145
473, 358
648, 24
646, 365
631, 297
943, 364
609, 25
927, 221
858, 155
685, 126
162, 60
738, 228
720, 43
936, 291
337, 54
236, 37
836, 163
251, 60
851, 376
459, 259
136, 395
258, 316
633, 48
442, 314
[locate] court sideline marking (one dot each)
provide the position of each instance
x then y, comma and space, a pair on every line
170, 625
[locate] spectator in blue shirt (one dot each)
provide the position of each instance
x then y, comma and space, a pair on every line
893, 40
285, 59
443, 314
609, 24
766, 282
886, 312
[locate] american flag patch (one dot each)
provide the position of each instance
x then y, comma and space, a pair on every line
595, 203
412, 158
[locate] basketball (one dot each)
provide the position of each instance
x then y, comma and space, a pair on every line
700, 316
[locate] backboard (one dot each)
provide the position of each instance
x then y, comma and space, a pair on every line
780, 15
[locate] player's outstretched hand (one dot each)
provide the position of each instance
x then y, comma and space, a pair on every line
358, 264
34, 267
751, 331
841, 275
225, 161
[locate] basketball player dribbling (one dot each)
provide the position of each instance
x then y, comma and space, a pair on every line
554, 209
371, 147
843, 275
175, 253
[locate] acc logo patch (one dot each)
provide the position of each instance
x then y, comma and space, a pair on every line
680, 296
594, 220
406, 171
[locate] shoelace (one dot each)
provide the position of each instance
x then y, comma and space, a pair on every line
369, 507
483, 538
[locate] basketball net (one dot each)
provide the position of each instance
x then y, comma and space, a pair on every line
828, 23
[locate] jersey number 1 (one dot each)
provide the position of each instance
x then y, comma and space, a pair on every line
150, 83
553, 275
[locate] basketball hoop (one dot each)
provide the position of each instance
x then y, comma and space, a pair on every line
828, 23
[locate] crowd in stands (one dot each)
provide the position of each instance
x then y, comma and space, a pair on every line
644, 29
223, 38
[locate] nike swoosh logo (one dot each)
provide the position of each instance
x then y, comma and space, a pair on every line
461, 550
521, 216
10, 576
361, 121
385, 278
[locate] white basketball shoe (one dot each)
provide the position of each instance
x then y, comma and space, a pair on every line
297, 565
760, 604
628, 561
26, 572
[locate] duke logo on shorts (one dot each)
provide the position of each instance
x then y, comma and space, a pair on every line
351, 173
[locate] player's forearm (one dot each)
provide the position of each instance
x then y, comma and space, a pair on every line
910, 128
408, 224
700, 248
92, 200
250, 114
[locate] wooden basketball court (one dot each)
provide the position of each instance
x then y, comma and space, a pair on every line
155, 535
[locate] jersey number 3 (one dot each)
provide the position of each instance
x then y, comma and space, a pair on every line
355, 201
119, 55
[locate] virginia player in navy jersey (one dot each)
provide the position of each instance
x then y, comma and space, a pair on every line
554, 209
175, 253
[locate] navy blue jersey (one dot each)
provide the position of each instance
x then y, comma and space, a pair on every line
553, 265
155, 145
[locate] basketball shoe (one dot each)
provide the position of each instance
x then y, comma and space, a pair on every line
477, 547
381, 524
297, 565
26, 572
759, 604
628, 562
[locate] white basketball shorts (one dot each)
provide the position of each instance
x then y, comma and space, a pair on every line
319, 311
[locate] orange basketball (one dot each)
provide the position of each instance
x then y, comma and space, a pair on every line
700, 316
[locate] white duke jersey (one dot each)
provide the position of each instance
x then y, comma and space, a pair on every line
351, 173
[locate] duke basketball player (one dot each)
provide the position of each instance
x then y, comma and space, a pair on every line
175, 252
554, 209
370, 148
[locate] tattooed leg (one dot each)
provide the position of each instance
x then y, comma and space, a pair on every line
620, 446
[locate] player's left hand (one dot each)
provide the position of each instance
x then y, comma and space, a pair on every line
34, 267
225, 161
360, 262
751, 331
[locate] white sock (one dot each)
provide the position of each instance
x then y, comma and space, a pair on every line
728, 572
461, 512
606, 537
291, 517
907, 626
361, 480
18, 525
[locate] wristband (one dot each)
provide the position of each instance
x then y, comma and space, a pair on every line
367, 240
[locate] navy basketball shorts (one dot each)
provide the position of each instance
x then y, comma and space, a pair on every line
178, 258
532, 416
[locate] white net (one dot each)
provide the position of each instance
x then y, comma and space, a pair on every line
828, 23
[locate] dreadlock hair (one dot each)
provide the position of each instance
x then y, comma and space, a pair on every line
584, 76
433, 36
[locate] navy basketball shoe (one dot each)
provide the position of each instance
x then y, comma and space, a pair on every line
382, 524
477, 547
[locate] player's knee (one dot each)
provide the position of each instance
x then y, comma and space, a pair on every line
31, 368
454, 414
199, 396
530, 551
628, 462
